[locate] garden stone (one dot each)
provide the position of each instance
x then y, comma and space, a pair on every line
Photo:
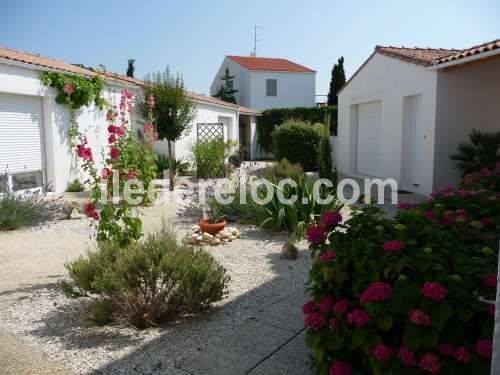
289, 250
75, 215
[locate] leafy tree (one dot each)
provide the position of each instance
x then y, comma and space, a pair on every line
337, 81
173, 111
481, 152
130, 68
225, 91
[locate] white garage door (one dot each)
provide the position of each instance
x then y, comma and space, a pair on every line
20, 139
369, 139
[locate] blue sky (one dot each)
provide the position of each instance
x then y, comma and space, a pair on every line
194, 36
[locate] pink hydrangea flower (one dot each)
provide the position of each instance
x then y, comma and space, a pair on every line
407, 356
431, 215
327, 256
316, 235
334, 322
434, 291
394, 245
341, 306
486, 172
377, 291
430, 362
315, 320
382, 352
106, 173
340, 368
490, 280
309, 307
358, 317
330, 219
446, 349
447, 220
484, 348
326, 304
463, 193
485, 221
419, 317
68, 88
462, 355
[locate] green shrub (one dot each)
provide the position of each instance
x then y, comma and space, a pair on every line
403, 295
181, 167
29, 208
325, 161
75, 186
298, 142
273, 118
209, 157
283, 169
148, 283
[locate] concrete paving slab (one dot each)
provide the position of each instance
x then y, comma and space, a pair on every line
285, 314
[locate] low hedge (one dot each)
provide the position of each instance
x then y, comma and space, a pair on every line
272, 118
403, 295
298, 142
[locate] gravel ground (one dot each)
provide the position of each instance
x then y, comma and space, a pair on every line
34, 310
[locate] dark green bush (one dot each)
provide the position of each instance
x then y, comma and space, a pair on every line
148, 283
272, 118
298, 142
325, 161
75, 186
181, 167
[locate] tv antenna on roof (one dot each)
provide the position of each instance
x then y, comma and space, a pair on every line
255, 40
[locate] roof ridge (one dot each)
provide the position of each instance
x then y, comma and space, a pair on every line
419, 48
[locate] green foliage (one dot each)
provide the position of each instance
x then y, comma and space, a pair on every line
283, 169
273, 118
181, 167
483, 151
148, 283
452, 240
130, 68
208, 158
19, 210
225, 91
75, 186
337, 82
297, 142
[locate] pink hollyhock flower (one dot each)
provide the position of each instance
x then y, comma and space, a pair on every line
114, 153
333, 322
490, 280
358, 317
111, 139
315, 320
486, 172
431, 215
151, 101
326, 304
394, 245
382, 352
340, 368
462, 355
377, 291
484, 348
406, 356
131, 175
330, 219
419, 317
327, 256
119, 131
111, 129
309, 307
430, 362
89, 209
434, 291
106, 173
95, 215
341, 306
68, 88
86, 154
316, 235
447, 349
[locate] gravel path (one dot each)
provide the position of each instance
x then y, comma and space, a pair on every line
33, 309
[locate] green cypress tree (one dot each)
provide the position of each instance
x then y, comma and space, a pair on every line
337, 81
130, 68
225, 91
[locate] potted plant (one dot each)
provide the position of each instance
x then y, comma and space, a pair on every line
214, 222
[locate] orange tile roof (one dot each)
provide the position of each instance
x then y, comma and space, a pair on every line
269, 64
475, 50
420, 56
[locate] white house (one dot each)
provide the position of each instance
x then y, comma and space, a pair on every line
264, 82
34, 141
405, 110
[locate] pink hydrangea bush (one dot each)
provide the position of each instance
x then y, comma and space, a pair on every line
401, 295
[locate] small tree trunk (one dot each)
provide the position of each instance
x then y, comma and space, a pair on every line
171, 167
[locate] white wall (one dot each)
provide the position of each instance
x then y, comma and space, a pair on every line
468, 97
240, 81
91, 121
294, 90
389, 80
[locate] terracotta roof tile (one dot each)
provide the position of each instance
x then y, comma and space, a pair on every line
269, 64
475, 50
420, 56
